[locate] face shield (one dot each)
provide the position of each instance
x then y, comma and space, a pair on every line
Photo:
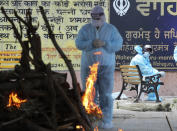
147, 51
148, 48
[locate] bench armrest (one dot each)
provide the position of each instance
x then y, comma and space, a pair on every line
156, 76
153, 79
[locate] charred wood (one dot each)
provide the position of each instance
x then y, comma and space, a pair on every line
70, 67
51, 104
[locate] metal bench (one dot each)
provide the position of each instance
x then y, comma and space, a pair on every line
132, 76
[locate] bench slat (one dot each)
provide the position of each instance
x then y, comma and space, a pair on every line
131, 78
128, 70
132, 82
130, 74
127, 66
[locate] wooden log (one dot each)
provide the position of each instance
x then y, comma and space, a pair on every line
34, 40
52, 94
28, 85
74, 108
17, 34
24, 59
8, 86
12, 121
12, 76
31, 126
6, 75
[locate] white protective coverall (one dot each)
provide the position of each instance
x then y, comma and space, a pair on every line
175, 54
99, 36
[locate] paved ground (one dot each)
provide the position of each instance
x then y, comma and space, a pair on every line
144, 116
144, 121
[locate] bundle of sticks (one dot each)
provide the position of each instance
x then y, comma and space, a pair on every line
47, 101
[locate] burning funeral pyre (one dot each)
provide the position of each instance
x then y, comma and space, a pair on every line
40, 99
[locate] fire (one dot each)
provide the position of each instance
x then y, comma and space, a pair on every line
88, 97
79, 127
98, 53
14, 100
96, 129
120, 130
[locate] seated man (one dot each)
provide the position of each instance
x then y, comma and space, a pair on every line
175, 54
143, 61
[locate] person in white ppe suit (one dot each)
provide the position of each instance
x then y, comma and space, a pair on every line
98, 42
143, 61
175, 54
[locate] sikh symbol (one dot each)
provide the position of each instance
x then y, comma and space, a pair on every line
121, 6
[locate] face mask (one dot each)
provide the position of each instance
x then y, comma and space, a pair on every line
146, 54
100, 22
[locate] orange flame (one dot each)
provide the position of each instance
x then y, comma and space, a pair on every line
14, 100
88, 97
98, 53
120, 130
78, 127
96, 128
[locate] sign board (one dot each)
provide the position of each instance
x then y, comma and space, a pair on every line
142, 22
66, 17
